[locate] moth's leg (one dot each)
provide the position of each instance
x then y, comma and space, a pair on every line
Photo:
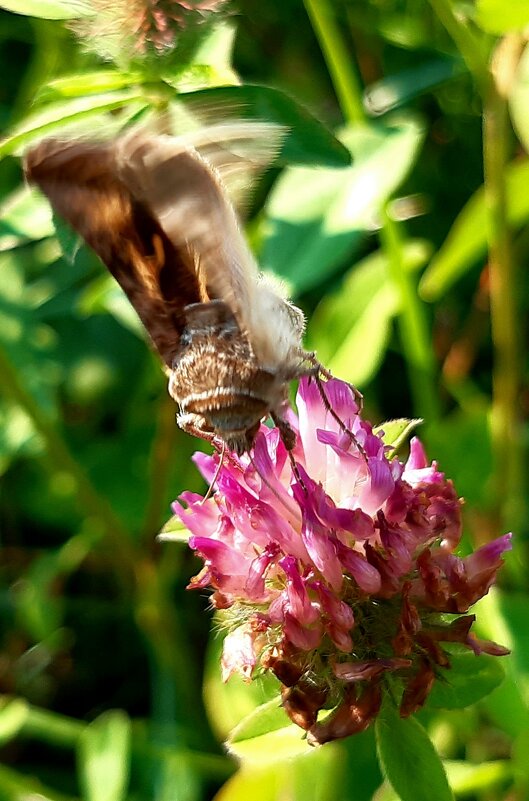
316, 372
319, 369
195, 425
288, 435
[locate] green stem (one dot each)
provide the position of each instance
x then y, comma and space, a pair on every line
65, 732
505, 279
339, 63
52, 728
415, 335
96, 506
469, 46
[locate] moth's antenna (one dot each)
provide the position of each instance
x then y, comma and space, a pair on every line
215, 477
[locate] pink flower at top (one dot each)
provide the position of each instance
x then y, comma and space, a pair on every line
340, 572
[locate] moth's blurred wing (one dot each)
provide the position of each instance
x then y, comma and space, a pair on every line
82, 184
184, 195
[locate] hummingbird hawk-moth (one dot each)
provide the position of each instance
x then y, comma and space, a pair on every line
156, 211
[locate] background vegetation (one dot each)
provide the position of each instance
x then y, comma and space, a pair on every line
410, 263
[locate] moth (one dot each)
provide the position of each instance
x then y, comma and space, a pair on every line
156, 211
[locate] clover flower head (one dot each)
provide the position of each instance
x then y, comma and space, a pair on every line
340, 575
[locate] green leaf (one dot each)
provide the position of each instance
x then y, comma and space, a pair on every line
408, 758
351, 327
466, 242
174, 531
216, 49
396, 432
469, 679
24, 215
397, 90
104, 295
316, 218
307, 140
497, 17
266, 733
13, 714
48, 9
57, 115
104, 757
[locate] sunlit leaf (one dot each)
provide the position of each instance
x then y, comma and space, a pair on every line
497, 17
13, 715
396, 432
265, 733
316, 218
216, 48
409, 759
174, 531
48, 9
466, 242
316, 776
24, 215
350, 328
468, 679
104, 757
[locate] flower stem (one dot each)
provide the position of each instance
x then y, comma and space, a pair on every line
471, 50
339, 63
509, 480
414, 327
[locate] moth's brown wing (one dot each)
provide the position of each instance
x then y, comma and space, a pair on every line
82, 184
183, 193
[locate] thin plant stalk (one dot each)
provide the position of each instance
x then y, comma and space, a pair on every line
415, 334
505, 279
510, 472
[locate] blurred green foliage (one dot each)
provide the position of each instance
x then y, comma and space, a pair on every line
407, 249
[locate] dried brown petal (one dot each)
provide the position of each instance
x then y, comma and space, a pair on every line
303, 702
417, 689
356, 712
